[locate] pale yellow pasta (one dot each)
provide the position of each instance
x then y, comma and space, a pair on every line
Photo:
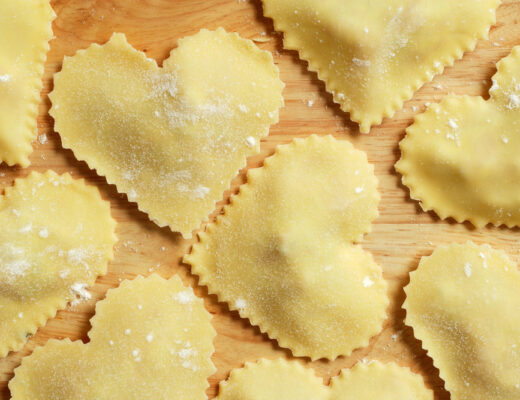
373, 55
25, 31
171, 138
463, 303
151, 338
56, 238
378, 381
283, 253
460, 158
289, 380
268, 380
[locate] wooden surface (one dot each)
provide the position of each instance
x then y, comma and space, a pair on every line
401, 235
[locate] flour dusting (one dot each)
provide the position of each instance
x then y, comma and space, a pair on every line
80, 293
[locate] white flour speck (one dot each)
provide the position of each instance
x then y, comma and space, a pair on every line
514, 101
359, 189
240, 303
200, 192
26, 228
452, 123
64, 273
361, 63
44, 233
468, 270
149, 337
243, 108
250, 140
184, 297
132, 195
186, 352
5, 78
483, 256
13, 261
42, 138
78, 256
367, 282
127, 175
80, 292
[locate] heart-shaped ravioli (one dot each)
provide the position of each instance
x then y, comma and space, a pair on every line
171, 138
150, 339
373, 55
460, 158
25, 31
463, 303
289, 380
56, 238
377, 381
267, 380
283, 253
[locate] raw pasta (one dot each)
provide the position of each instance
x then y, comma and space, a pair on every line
56, 238
171, 138
374, 54
25, 31
460, 158
151, 338
283, 253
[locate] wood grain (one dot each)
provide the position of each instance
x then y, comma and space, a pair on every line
401, 235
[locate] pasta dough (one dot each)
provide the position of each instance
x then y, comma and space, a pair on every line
374, 54
289, 380
378, 381
463, 303
460, 158
151, 339
56, 238
268, 380
171, 138
282, 255
25, 31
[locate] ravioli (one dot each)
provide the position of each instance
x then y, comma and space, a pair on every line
460, 157
171, 138
374, 54
462, 303
151, 338
267, 380
375, 380
56, 238
289, 380
25, 31
283, 253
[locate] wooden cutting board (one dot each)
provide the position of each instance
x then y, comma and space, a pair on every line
401, 235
